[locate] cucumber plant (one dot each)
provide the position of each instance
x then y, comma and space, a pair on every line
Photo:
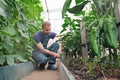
19, 19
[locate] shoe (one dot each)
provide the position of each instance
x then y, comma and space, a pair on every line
41, 67
51, 67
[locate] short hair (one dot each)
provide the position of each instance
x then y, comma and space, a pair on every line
46, 23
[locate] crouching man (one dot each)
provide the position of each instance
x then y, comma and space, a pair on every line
43, 54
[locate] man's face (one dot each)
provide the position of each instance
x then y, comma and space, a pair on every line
47, 29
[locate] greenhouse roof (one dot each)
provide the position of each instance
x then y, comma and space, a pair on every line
52, 13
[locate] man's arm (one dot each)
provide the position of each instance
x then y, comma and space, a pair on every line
42, 49
57, 35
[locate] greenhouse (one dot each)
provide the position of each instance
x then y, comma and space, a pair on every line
59, 39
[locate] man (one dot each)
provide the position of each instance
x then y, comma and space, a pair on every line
41, 54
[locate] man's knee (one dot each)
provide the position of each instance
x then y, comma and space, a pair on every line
55, 44
40, 58
43, 61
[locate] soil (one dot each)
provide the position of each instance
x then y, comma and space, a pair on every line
92, 72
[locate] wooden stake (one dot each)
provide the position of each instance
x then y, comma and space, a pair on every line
117, 15
83, 37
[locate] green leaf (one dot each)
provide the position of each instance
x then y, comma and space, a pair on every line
29, 48
66, 7
78, 1
22, 28
31, 8
2, 12
77, 8
1, 47
2, 59
4, 32
10, 30
7, 47
82, 13
7, 9
2, 8
10, 59
63, 30
20, 59
17, 38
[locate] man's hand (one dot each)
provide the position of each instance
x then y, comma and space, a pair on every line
56, 55
39, 45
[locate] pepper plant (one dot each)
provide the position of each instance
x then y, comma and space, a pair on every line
101, 33
100, 25
71, 38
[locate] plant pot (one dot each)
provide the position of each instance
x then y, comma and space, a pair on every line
17, 71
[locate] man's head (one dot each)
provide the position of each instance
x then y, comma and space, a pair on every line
46, 27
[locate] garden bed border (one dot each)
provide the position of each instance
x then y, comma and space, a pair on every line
17, 71
65, 74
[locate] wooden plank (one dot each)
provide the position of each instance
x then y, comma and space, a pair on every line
83, 37
117, 9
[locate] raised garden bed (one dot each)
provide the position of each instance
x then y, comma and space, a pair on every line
16, 72
100, 71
